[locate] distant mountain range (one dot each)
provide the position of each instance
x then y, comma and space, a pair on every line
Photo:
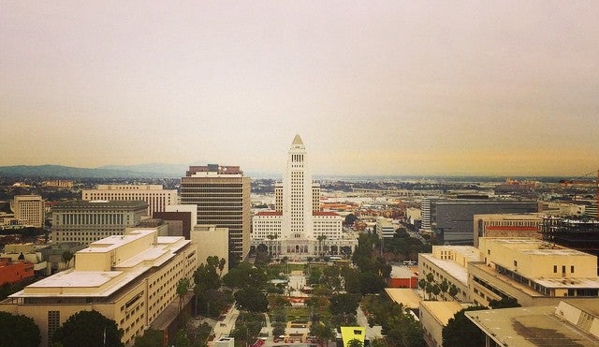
160, 170
109, 171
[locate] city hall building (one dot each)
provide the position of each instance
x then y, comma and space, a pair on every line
297, 228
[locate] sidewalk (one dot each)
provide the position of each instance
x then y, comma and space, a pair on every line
223, 327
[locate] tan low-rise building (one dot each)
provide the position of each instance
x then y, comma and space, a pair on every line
449, 263
569, 323
434, 316
534, 272
128, 278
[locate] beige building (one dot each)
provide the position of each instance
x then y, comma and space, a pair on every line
569, 323
88, 221
506, 225
534, 272
29, 210
154, 195
209, 240
449, 263
222, 197
434, 316
129, 278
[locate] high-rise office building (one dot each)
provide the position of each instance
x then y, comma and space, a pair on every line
222, 197
297, 227
88, 221
29, 210
154, 195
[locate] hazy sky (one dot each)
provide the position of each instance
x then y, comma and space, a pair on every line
373, 87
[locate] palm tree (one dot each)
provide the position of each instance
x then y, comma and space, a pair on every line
182, 289
321, 238
444, 286
66, 257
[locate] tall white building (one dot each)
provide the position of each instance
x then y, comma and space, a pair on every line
154, 195
297, 227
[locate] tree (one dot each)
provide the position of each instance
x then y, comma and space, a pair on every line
350, 219
90, 329
205, 278
278, 328
344, 304
355, 343
66, 257
182, 290
150, 338
18, 331
504, 303
245, 275
251, 299
321, 238
322, 332
444, 286
436, 290
453, 290
371, 283
181, 339
221, 266
460, 326
429, 289
422, 284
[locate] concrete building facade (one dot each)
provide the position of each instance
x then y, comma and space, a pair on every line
569, 323
154, 195
452, 220
130, 279
29, 210
210, 240
449, 263
222, 197
506, 225
14, 271
534, 272
88, 221
384, 227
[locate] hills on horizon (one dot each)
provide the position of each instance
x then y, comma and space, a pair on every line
156, 170
152, 170
162, 170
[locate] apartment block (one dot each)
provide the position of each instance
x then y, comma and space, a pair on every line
130, 279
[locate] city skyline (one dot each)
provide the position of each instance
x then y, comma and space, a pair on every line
386, 88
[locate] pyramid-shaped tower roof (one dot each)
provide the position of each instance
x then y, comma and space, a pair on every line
297, 140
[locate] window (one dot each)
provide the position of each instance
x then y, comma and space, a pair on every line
572, 268
53, 323
554, 268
